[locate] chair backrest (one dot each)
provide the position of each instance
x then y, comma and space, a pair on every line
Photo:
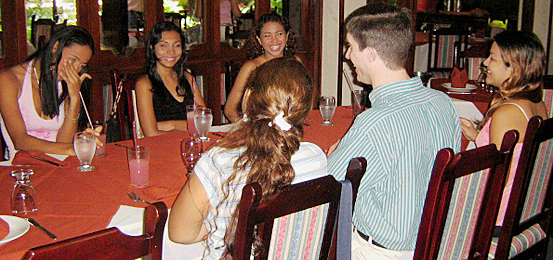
528, 214
466, 185
110, 243
474, 56
445, 47
259, 218
124, 82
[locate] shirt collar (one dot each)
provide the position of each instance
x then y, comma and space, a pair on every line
395, 88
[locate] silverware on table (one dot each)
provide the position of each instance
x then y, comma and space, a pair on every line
34, 223
135, 197
45, 160
120, 145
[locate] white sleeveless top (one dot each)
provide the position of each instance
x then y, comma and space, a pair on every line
46, 129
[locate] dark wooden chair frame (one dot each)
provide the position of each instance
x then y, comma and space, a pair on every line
460, 46
110, 243
447, 168
537, 132
320, 191
125, 110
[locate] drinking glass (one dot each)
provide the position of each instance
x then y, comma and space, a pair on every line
327, 106
191, 150
190, 109
138, 158
23, 200
203, 119
84, 144
101, 150
358, 99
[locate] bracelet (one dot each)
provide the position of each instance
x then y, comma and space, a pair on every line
73, 119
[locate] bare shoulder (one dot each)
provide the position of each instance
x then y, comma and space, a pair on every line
143, 82
251, 64
12, 78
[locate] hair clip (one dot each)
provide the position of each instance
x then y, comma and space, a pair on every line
281, 122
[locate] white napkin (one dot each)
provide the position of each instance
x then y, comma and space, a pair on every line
57, 156
130, 221
467, 109
221, 128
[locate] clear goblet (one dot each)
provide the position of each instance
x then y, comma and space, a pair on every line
327, 106
191, 150
84, 144
203, 119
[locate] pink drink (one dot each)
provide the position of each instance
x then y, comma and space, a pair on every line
101, 150
139, 170
190, 121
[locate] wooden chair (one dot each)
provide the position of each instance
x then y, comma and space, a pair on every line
526, 229
124, 81
445, 47
474, 56
463, 200
41, 31
255, 217
110, 243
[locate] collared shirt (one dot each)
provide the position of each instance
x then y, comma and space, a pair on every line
399, 136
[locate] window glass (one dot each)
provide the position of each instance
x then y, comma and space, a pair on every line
188, 15
122, 25
46, 16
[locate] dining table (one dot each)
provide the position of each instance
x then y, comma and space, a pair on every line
72, 203
472, 104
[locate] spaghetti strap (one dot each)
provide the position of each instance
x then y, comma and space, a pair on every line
521, 109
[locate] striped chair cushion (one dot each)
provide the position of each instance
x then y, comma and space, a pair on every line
521, 242
540, 177
473, 67
446, 51
548, 100
459, 227
299, 235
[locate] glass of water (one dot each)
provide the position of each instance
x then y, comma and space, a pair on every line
203, 119
327, 106
84, 144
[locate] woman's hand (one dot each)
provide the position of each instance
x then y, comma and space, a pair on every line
69, 74
96, 131
468, 129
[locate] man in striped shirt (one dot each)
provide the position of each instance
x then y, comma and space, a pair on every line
399, 135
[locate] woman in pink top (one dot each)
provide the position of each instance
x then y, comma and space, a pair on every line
39, 98
516, 66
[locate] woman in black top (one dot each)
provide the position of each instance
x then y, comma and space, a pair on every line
163, 93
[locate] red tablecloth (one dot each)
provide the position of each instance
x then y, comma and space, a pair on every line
72, 203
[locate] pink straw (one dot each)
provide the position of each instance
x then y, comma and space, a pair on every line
134, 134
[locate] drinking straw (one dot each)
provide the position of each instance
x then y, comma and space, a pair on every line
356, 98
86, 111
134, 134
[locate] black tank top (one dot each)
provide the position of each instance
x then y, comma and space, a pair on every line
167, 108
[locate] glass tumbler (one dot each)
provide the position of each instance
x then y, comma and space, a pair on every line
23, 194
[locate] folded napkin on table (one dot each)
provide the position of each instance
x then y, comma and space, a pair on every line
4, 229
459, 78
25, 158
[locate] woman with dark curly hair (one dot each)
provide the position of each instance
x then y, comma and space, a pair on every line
265, 147
516, 66
163, 93
269, 39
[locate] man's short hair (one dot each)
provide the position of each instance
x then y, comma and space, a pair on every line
385, 28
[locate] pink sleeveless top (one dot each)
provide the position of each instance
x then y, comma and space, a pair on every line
483, 139
46, 129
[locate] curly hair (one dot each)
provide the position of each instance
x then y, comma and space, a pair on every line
183, 88
255, 49
524, 53
49, 61
280, 87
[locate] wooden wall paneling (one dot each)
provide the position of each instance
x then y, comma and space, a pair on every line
14, 29
527, 19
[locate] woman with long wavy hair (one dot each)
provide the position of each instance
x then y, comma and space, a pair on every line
163, 93
264, 147
516, 66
